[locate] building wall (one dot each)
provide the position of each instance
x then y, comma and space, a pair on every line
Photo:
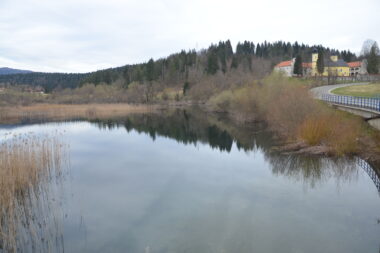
314, 58
361, 70
307, 71
336, 71
288, 70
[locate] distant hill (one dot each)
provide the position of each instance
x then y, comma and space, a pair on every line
183, 67
9, 71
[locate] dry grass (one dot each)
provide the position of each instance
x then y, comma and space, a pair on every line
67, 112
315, 130
26, 163
337, 130
291, 112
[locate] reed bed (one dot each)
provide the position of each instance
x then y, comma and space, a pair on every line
28, 162
53, 112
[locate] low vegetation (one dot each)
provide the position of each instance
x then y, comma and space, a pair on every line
369, 90
51, 112
26, 162
294, 115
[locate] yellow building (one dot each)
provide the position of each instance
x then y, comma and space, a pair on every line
333, 66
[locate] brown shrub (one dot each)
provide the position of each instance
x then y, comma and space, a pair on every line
314, 130
285, 104
344, 135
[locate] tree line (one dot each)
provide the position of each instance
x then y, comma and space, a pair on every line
177, 68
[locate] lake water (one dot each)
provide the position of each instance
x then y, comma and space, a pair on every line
188, 182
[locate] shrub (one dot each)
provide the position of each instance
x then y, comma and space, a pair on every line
314, 130
344, 135
222, 101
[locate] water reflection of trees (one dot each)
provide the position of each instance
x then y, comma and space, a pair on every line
313, 170
187, 127
195, 126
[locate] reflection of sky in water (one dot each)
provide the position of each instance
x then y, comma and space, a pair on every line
128, 193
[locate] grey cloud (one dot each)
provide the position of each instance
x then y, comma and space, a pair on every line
86, 35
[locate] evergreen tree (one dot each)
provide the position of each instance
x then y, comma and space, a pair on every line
235, 62
212, 63
150, 70
320, 63
186, 87
373, 60
229, 51
298, 66
258, 50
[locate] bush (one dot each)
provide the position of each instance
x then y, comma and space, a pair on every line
315, 130
290, 110
344, 135
222, 101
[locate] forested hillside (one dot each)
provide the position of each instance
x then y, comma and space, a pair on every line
49, 81
183, 68
8, 71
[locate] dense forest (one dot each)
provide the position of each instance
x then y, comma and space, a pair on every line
182, 68
49, 81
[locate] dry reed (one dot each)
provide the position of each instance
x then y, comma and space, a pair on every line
67, 112
27, 163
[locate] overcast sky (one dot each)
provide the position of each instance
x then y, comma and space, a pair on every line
87, 35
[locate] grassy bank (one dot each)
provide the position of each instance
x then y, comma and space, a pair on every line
369, 90
284, 103
295, 116
53, 112
26, 161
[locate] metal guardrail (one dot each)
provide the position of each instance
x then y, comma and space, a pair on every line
362, 102
371, 172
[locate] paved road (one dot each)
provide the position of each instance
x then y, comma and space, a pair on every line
319, 91
367, 104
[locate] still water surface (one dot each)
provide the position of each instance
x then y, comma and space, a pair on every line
191, 183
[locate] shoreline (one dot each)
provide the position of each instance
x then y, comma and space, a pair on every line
59, 112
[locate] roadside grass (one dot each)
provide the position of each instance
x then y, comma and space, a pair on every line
369, 90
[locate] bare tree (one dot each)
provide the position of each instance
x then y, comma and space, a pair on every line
366, 48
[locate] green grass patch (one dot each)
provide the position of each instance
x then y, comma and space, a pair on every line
369, 90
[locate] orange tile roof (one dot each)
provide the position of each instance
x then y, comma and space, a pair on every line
354, 64
284, 64
307, 65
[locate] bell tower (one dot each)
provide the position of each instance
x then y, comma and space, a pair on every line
314, 55
314, 59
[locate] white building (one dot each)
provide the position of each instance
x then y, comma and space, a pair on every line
285, 67
358, 67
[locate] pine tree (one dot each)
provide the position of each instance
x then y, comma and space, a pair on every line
298, 66
258, 50
186, 87
212, 62
373, 60
320, 63
235, 62
229, 51
150, 70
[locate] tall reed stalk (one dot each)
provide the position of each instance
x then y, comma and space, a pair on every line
28, 163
